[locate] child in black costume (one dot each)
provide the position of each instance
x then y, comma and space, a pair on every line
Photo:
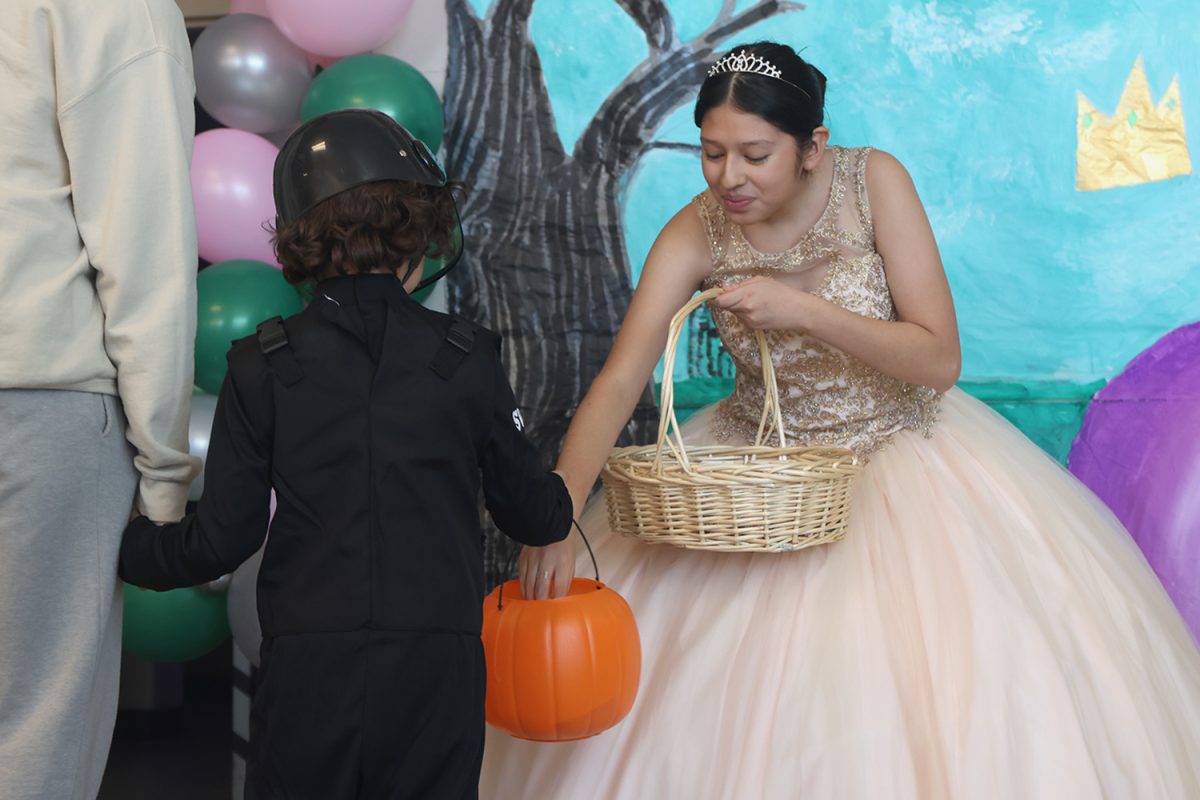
377, 422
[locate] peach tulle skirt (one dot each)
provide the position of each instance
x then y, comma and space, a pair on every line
987, 629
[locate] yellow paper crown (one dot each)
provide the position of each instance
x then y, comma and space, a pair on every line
1139, 143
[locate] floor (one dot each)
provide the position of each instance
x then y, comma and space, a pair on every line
181, 749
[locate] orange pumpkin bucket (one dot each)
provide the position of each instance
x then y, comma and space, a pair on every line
561, 669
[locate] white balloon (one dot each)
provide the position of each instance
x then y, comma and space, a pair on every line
242, 607
242, 603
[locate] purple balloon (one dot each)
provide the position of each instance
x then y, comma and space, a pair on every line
232, 188
1139, 451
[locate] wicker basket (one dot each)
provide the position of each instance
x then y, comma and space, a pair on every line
745, 499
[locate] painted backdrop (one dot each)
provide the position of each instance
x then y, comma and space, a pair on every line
572, 118
980, 103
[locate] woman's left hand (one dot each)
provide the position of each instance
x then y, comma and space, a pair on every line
765, 304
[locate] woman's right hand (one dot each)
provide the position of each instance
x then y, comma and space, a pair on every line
547, 571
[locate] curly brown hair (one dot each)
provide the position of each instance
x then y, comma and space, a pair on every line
384, 225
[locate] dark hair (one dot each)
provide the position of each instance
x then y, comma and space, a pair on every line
794, 102
381, 225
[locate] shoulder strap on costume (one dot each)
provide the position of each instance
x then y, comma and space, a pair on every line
273, 341
459, 340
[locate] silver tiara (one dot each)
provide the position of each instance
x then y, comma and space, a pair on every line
741, 61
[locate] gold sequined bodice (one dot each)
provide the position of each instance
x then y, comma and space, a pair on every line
827, 396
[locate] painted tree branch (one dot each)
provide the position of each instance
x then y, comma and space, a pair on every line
623, 127
654, 20
462, 146
679, 146
728, 24
498, 90
512, 11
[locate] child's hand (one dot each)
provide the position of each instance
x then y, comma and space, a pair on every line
547, 571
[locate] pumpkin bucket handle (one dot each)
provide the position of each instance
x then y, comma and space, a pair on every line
517, 550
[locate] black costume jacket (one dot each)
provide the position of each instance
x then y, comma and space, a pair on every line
377, 425
377, 422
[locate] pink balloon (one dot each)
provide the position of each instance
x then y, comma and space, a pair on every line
324, 62
248, 7
232, 175
344, 28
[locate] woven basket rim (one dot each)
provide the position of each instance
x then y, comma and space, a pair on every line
767, 451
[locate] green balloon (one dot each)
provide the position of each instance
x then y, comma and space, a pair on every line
232, 297
386, 84
178, 625
431, 266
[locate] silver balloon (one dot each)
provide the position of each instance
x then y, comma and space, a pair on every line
242, 607
204, 407
249, 75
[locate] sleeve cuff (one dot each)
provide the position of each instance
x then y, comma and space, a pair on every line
162, 501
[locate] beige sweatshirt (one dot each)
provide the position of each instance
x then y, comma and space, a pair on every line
97, 229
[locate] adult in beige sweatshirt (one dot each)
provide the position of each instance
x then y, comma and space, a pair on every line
97, 321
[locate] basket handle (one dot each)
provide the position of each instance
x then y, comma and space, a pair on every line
668, 423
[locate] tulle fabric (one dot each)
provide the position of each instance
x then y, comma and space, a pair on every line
986, 630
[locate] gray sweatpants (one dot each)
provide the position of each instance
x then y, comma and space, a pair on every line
67, 483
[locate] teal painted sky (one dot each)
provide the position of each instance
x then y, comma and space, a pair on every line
979, 102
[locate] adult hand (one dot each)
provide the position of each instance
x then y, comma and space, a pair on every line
547, 572
765, 304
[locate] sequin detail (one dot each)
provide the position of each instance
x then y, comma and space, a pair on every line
828, 396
